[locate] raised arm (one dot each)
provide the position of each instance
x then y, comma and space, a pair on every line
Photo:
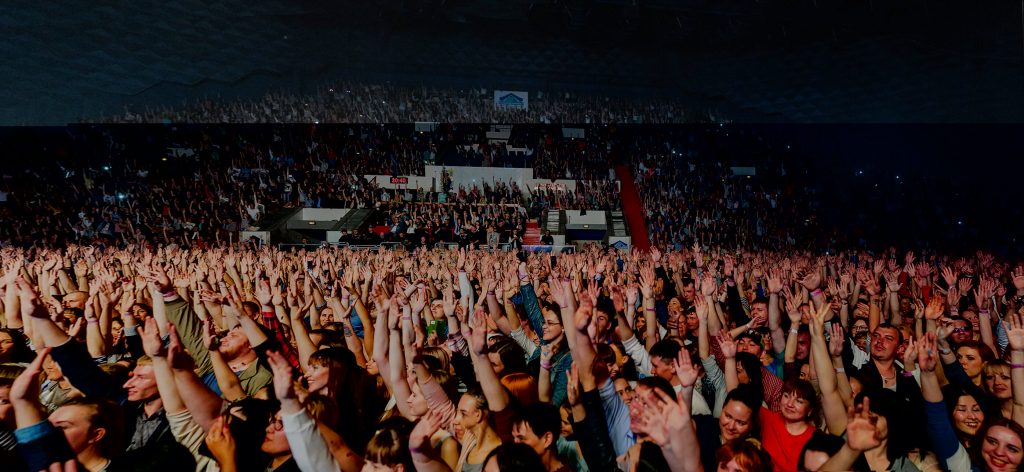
304, 345
1015, 335
494, 391
202, 402
229, 384
424, 457
774, 315
647, 280
832, 403
983, 298
24, 393
861, 435
154, 348
728, 348
666, 420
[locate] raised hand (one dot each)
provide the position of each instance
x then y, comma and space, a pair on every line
572, 385
448, 302
701, 307
835, 341
210, 338
151, 342
775, 282
26, 385
478, 332
284, 385
632, 293
726, 344
1015, 331
910, 354
708, 286
583, 316
30, 307
685, 369
965, 286
811, 281
892, 282
927, 353
984, 293
428, 425
949, 276
647, 281
220, 442
263, 294
872, 286
661, 416
934, 309
418, 301
861, 430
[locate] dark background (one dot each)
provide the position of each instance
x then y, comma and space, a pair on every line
742, 60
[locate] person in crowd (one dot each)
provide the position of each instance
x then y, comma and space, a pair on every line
476, 359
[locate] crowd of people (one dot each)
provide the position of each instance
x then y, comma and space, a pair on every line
211, 183
235, 358
351, 102
460, 222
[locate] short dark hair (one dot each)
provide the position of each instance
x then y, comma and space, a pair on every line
657, 383
899, 332
542, 418
821, 442
805, 391
666, 349
515, 457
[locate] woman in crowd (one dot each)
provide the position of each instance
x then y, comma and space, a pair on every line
1005, 389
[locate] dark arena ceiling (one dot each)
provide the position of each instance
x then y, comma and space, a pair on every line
767, 60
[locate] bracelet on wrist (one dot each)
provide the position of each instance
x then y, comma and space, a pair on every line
545, 366
1017, 366
840, 370
816, 292
908, 373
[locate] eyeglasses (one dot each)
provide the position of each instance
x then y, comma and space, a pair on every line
960, 330
551, 323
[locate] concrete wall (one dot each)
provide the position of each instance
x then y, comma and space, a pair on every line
321, 214
574, 220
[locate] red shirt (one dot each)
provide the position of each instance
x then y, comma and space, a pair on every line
777, 442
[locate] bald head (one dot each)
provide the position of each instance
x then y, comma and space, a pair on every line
75, 299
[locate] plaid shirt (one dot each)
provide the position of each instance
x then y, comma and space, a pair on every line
271, 322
